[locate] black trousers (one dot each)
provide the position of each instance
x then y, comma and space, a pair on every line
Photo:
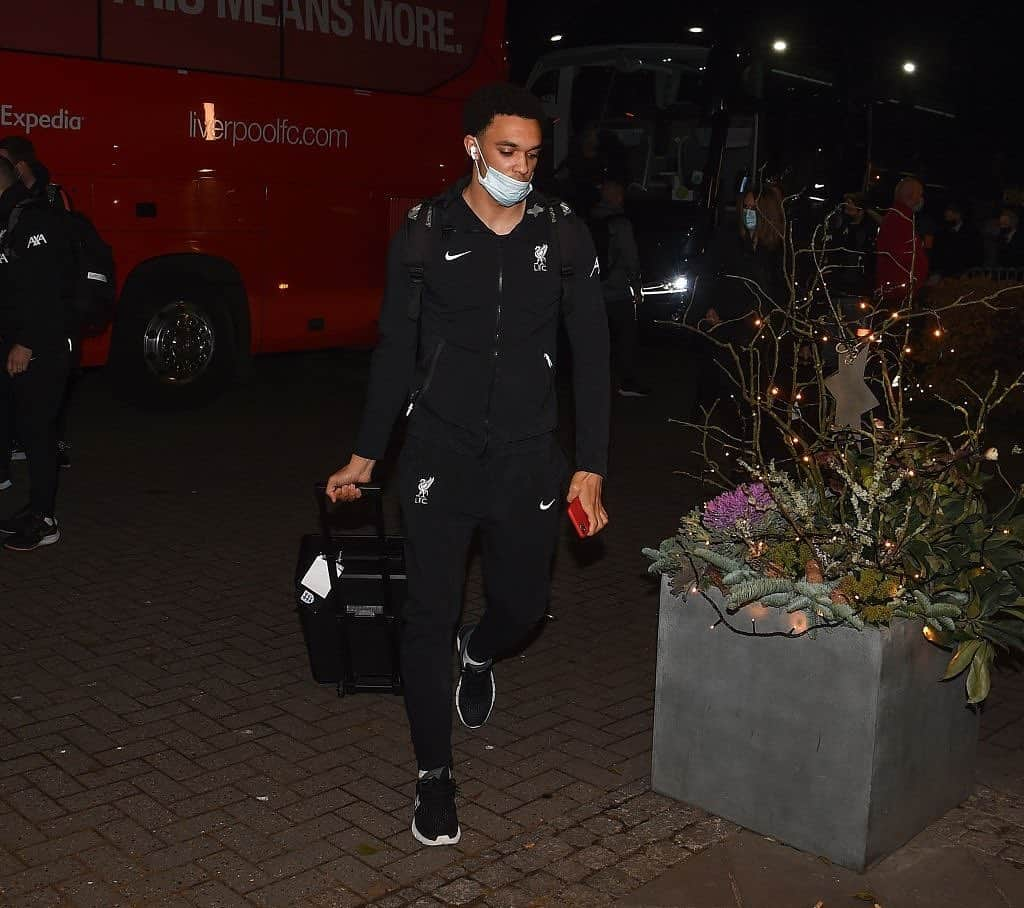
74, 375
516, 502
29, 405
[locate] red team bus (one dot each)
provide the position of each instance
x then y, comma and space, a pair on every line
246, 159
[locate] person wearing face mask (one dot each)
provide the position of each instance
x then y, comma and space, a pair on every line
851, 243
751, 257
472, 364
749, 281
902, 262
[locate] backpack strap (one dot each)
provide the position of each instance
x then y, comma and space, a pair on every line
418, 237
564, 241
423, 244
12, 222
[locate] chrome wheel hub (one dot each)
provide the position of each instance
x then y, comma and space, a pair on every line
178, 343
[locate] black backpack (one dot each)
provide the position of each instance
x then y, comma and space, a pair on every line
93, 293
90, 283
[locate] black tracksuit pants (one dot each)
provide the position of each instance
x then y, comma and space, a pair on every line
516, 501
35, 398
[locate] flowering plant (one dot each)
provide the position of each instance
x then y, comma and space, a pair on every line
848, 521
748, 504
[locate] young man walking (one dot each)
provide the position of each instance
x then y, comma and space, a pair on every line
477, 281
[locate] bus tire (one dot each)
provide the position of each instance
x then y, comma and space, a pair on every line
173, 346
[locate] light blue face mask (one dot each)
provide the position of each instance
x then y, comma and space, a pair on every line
505, 190
750, 218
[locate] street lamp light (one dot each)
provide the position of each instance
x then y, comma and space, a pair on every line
910, 67
780, 46
696, 30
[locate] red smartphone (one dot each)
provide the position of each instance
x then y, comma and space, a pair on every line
580, 521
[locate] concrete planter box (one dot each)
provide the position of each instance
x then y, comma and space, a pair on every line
845, 745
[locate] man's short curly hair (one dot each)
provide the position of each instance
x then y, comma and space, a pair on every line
497, 99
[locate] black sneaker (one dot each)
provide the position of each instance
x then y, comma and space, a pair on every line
16, 522
474, 697
35, 533
17, 452
63, 455
633, 390
5, 484
434, 820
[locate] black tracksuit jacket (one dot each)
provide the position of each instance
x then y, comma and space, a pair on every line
478, 370
33, 274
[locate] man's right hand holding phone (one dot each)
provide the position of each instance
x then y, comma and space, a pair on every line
341, 486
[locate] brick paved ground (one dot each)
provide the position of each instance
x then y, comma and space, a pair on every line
161, 742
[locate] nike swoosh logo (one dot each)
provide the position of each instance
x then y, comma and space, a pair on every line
544, 507
448, 257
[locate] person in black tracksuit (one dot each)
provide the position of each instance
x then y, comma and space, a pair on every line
34, 351
35, 177
620, 274
475, 372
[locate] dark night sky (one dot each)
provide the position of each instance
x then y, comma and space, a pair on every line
968, 59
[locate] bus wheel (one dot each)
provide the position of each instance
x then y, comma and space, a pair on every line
174, 348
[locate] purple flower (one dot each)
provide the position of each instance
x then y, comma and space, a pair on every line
744, 503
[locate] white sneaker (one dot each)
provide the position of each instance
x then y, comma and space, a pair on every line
36, 533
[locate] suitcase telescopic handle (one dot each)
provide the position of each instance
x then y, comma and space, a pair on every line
376, 492
372, 490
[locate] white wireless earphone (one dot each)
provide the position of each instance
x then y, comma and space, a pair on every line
473, 152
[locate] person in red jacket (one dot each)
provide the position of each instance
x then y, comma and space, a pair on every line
902, 263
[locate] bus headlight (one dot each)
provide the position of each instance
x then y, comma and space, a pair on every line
678, 284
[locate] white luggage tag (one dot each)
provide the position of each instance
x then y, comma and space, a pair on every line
317, 579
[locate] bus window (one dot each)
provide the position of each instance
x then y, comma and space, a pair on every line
50, 27
645, 121
204, 41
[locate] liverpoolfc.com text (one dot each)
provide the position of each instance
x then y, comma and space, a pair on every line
275, 132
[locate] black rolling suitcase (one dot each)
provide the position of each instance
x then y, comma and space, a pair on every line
351, 625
